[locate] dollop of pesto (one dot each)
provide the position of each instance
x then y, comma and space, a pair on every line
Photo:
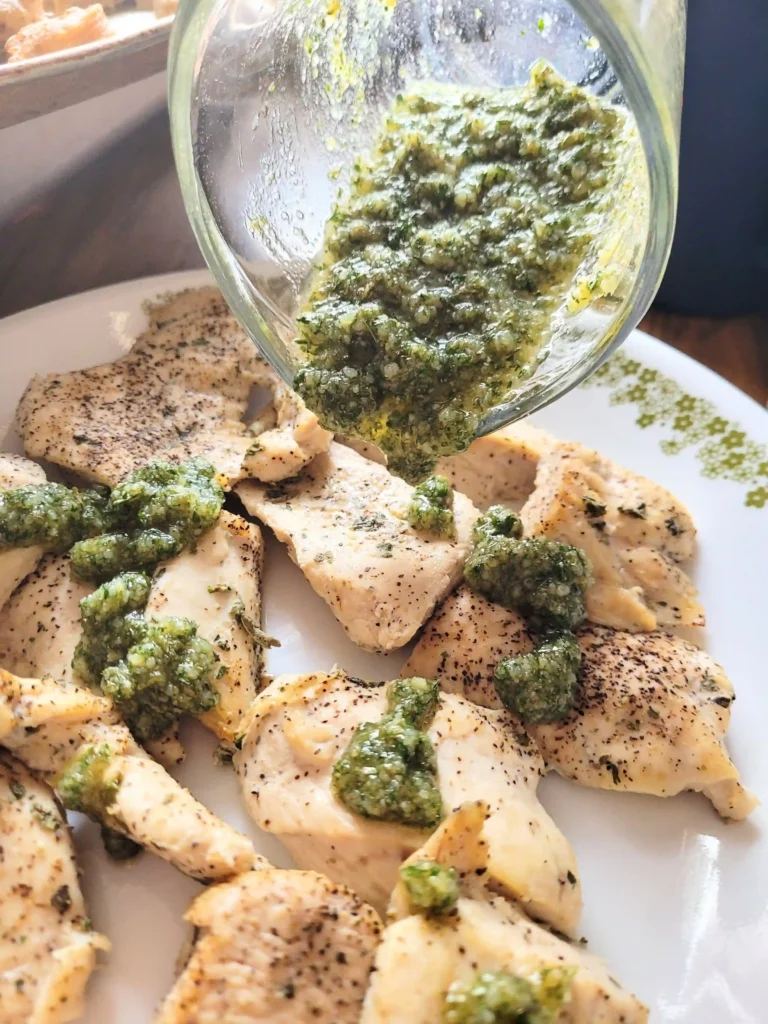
501, 997
167, 672
118, 846
52, 515
455, 243
81, 784
541, 686
432, 889
542, 579
111, 624
153, 669
389, 769
154, 513
431, 508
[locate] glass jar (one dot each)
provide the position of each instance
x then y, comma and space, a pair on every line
271, 99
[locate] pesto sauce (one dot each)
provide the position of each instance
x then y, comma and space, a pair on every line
118, 846
431, 888
155, 513
81, 785
431, 508
111, 623
167, 672
542, 579
541, 686
445, 262
501, 997
389, 769
51, 515
153, 669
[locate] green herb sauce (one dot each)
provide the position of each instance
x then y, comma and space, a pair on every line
155, 512
163, 675
541, 686
52, 515
153, 669
542, 579
446, 260
389, 769
81, 784
117, 846
431, 508
111, 624
500, 997
431, 888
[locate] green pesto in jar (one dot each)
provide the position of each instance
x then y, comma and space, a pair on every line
431, 508
389, 769
153, 514
456, 243
501, 997
431, 888
154, 670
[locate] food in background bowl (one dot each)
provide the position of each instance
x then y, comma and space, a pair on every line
36, 28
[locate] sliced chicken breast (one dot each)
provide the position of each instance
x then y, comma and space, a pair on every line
180, 391
40, 629
40, 624
47, 723
342, 521
650, 716
284, 947
463, 643
218, 585
17, 563
290, 436
300, 727
634, 533
420, 958
47, 945
500, 468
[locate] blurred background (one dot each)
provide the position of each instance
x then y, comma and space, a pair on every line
88, 193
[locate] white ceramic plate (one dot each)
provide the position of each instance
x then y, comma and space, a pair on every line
675, 899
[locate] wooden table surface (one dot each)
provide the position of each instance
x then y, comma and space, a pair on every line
122, 217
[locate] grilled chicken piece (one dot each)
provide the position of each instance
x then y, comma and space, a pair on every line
47, 723
291, 435
40, 625
218, 585
500, 468
47, 947
650, 716
17, 563
421, 957
284, 947
40, 629
181, 391
463, 643
302, 724
633, 531
341, 521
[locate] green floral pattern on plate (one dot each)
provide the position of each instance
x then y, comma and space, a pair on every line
723, 448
